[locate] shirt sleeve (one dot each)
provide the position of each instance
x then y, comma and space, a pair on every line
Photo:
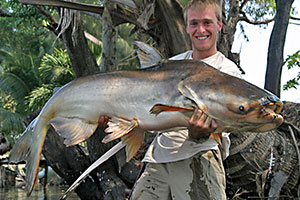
229, 67
183, 56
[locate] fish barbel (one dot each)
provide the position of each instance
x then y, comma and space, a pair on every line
161, 97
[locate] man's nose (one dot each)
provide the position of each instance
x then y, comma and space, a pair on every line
200, 28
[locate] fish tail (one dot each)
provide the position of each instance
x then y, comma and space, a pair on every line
29, 148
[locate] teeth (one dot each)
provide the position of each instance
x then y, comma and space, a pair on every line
202, 38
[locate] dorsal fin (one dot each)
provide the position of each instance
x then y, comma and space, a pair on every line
148, 55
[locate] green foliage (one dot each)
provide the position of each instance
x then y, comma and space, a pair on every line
183, 2
56, 68
10, 122
260, 10
293, 61
39, 96
24, 91
25, 18
23, 42
13, 81
128, 59
13, 86
126, 34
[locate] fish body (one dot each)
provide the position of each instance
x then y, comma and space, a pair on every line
123, 94
158, 98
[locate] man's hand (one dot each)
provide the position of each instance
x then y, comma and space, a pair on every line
201, 125
103, 120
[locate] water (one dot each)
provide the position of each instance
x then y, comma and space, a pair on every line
53, 193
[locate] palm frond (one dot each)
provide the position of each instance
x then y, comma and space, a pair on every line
13, 85
10, 121
56, 68
39, 96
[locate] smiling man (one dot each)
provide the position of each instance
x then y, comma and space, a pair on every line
187, 164
203, 26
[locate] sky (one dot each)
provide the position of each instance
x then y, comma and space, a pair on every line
253, 54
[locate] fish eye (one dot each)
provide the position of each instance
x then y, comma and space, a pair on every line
241, 108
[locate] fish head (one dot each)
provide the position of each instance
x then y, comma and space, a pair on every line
254, 114
234, 103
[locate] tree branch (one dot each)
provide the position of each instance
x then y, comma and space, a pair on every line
294, 18
53, 22
246, 19
295, 23
66, 4
119, 15
53, 26
243, 4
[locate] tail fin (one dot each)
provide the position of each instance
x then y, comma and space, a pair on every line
29, 148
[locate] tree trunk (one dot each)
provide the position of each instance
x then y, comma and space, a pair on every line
276, 46
82, 59
5, 146
60, 157
7, 177
69, 163
226, 36
109, 41
104, 182
111, 185
170, 34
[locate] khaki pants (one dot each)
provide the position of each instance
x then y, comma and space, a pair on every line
198, 178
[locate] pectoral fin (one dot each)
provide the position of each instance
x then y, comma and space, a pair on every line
133, 141
158, 108
118, 128
217, 137
74, 130
128, 130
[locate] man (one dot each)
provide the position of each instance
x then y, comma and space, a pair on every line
187, 164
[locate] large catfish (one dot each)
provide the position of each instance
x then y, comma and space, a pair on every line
157, 98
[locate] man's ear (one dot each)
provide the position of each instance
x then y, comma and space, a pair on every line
220, 25
187, 29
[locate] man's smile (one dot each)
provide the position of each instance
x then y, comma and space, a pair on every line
202, 37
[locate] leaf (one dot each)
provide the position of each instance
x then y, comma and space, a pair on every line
292, 61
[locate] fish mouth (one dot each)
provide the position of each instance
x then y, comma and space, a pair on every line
271, 108
267, 114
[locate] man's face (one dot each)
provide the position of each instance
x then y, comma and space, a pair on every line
203, 27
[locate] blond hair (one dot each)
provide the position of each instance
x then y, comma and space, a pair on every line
201, 4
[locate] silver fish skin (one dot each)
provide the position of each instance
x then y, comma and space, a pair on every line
161, 97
